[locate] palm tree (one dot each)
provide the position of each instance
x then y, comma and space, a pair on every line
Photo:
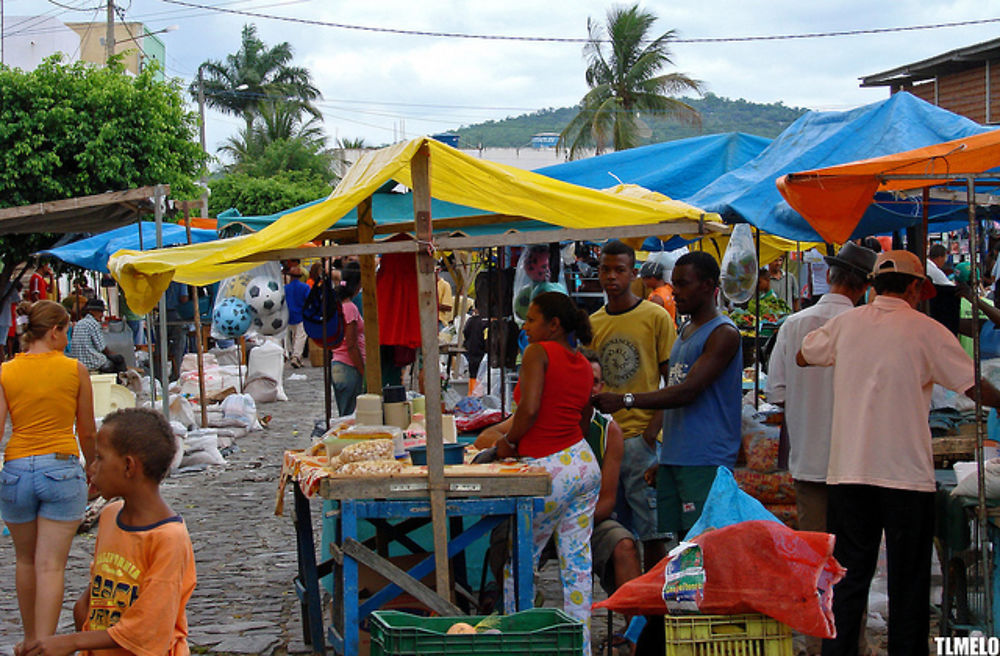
254, 76
277, 122
623, 66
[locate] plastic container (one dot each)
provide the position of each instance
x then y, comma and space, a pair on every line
718, 635
454, 454
534, 632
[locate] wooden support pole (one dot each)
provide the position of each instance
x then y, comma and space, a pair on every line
427, 302
200, 346
369, 298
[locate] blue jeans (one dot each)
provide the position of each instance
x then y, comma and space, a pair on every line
346, 387
43, 486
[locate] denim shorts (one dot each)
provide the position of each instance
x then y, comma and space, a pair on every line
42, 486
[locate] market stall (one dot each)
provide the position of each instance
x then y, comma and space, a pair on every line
834, 200
425, 166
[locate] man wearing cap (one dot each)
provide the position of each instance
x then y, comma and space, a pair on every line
87, 344
886, 356
806, 394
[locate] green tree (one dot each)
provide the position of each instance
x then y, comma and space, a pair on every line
253, 77
255, 196
70, 130
623, 73
278, 140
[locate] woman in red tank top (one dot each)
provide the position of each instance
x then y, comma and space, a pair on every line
553, 394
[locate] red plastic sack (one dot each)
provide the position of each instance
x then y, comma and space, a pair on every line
640, 596
755, 566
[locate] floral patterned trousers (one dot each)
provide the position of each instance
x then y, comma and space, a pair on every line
568, 514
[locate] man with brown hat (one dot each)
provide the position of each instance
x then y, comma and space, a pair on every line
87, 343
886, 356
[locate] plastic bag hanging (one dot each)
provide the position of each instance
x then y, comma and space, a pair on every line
533, 276
739, 265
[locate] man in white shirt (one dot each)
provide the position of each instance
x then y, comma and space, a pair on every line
806, 393
886, 356
937, 255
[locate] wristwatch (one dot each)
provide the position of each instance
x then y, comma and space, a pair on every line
628, 400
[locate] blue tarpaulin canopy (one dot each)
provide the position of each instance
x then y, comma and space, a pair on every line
820, 139
674, 168
93, 252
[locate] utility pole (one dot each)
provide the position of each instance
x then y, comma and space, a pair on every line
109, 37
201, 117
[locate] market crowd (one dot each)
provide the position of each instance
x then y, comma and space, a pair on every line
853, 368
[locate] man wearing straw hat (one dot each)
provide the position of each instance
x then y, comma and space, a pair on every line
886, 356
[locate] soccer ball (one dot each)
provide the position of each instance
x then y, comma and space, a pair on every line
264, 295
235, 286
522, 300
270, 324
231, 317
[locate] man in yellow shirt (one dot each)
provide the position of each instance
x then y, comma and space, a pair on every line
633, 338
446, 300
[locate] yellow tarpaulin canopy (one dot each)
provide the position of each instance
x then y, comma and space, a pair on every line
771, 246
454, 177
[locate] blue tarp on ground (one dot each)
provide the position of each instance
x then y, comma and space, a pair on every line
819, 139
677, 169
93, 252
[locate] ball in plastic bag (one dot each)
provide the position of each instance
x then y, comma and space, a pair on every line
274, 323
264, 295
522, 300
236, 286
231, 317
543, 287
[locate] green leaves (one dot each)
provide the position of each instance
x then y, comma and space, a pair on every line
625, 85
256, 196
71, 130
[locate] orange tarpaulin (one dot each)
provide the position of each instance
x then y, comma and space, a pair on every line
833, 199
198, 222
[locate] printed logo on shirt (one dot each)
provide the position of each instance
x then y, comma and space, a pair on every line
113, 589
619, 361
688, 507
678, 372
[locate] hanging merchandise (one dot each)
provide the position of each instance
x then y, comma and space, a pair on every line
257, 293
534, 275
739, 265
314, 318
231, 318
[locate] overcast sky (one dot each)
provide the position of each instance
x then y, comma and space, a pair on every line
374, 83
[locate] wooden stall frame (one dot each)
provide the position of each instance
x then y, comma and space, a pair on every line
424, 246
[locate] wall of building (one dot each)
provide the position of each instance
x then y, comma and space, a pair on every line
27, 40
128, 36
964, 93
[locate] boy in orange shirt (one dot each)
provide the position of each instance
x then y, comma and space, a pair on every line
143, 570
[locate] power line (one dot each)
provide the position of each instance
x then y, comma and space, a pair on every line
555, 39
72, 8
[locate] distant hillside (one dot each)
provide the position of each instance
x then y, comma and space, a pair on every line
717, 115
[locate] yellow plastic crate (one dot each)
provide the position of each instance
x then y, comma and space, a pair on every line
727, 635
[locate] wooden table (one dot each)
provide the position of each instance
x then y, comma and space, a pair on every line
483, 491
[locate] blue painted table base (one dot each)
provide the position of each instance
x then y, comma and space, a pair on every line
492, 511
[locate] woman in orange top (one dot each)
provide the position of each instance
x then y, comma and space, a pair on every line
43, 488
552, 395
661, 292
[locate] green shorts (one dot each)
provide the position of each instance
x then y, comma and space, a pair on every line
680, 496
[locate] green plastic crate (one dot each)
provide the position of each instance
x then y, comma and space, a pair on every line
727, 635
539, 631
